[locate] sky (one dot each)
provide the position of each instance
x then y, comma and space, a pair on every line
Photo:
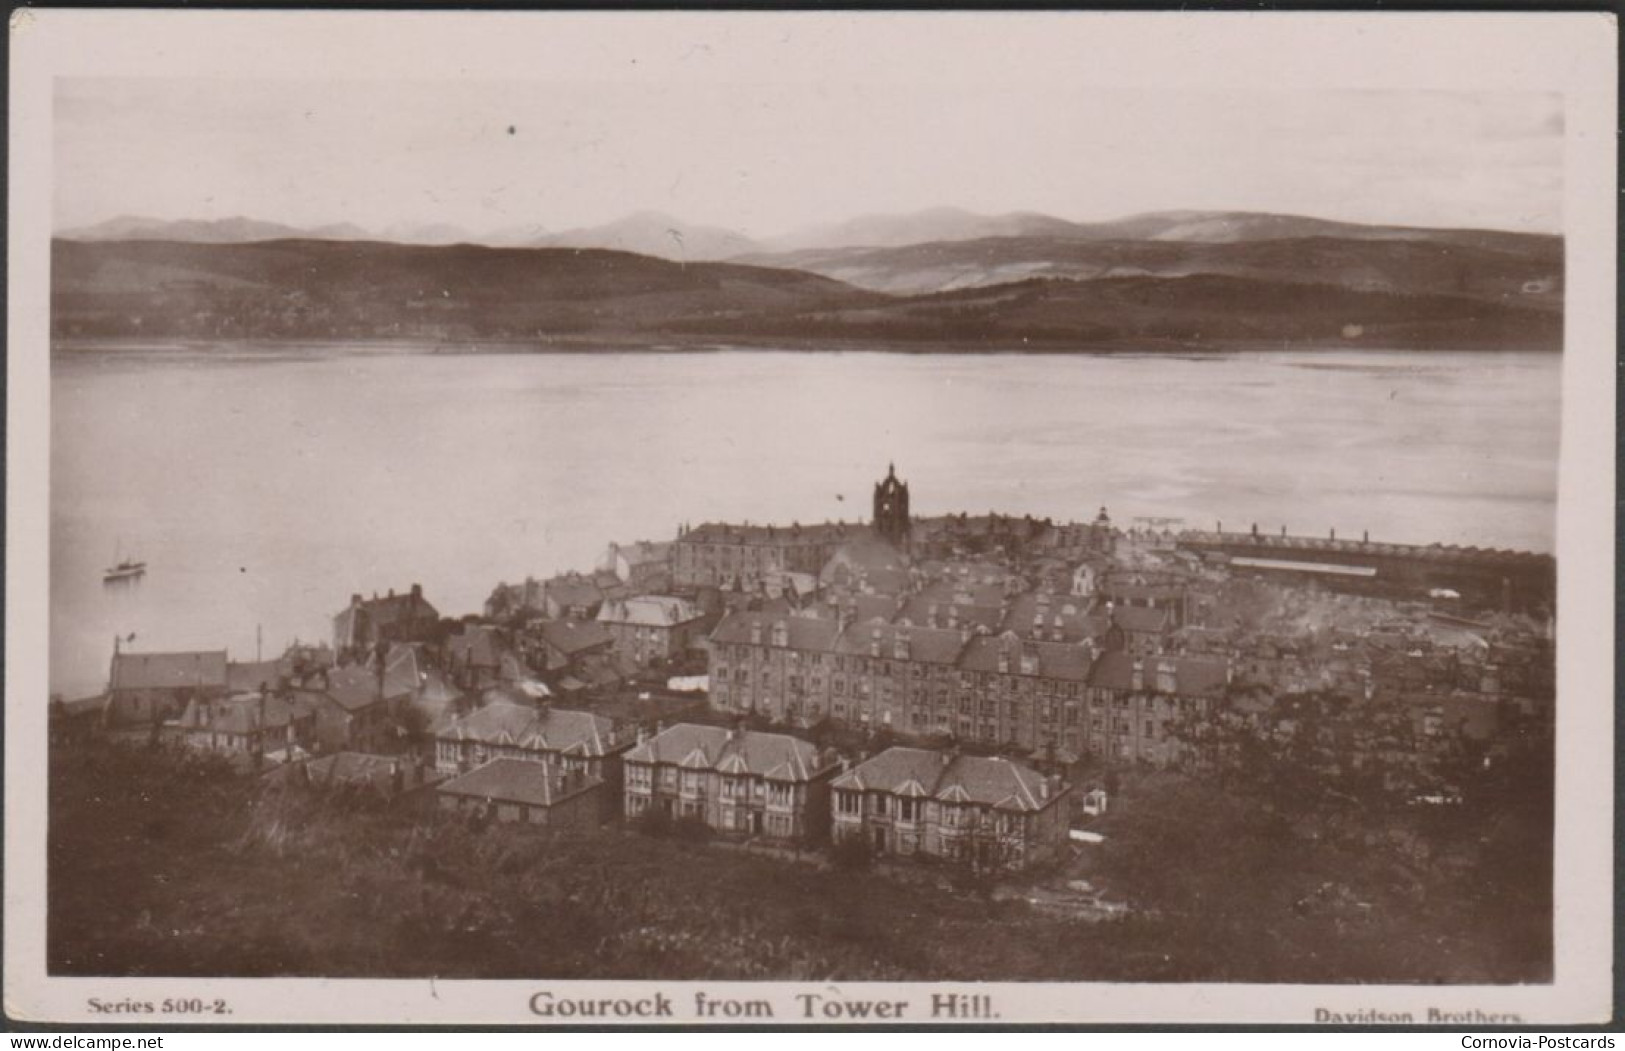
766, 156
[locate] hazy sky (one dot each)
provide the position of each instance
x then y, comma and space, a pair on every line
764, 156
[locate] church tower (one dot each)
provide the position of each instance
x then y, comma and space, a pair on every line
891, 508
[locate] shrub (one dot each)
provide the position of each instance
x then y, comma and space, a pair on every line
690, 830
852, 854
653, 822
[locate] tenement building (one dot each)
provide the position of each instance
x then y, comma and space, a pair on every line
739, 781
989, 812
720, 555
1056, 700
717, 554
365, 623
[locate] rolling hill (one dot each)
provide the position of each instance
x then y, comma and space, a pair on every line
351, 290
1203, 311
1501, 267
1293, 292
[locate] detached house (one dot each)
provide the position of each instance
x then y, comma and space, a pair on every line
570, 740
534, 793
571, 596
358, 709
257, 724
740, 781
990, 812
651, 628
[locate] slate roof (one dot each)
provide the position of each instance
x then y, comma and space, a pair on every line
353, 686
815, 634
170, 671
777, 757
477, 645
240, 715
863, 552
573, 591
916, 772
754, 602
1113, 670
570, 637
654, 611
1067, 661
925, 645
1141, 619
1074, 626
550, 730
918, 610
1193, 676
791, 535
518, 781
244, 676
402, 673
865, 609
948, 589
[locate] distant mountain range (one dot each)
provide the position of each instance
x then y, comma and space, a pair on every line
241, 230
658, 234
938, 277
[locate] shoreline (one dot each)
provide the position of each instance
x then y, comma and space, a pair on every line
706, 345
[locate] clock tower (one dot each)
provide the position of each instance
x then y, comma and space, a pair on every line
891, 508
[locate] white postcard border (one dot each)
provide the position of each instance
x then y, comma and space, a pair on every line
1569, 53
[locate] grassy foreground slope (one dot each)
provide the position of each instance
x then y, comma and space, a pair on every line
165, 865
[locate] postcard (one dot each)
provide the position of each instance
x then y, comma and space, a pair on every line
810, 518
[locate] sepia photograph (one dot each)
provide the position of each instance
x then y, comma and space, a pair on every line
808, 518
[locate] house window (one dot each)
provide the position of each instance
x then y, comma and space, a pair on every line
849, 802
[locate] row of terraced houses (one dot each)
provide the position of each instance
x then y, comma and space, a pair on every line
1058, 700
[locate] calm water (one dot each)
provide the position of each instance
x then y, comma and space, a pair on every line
262, 487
